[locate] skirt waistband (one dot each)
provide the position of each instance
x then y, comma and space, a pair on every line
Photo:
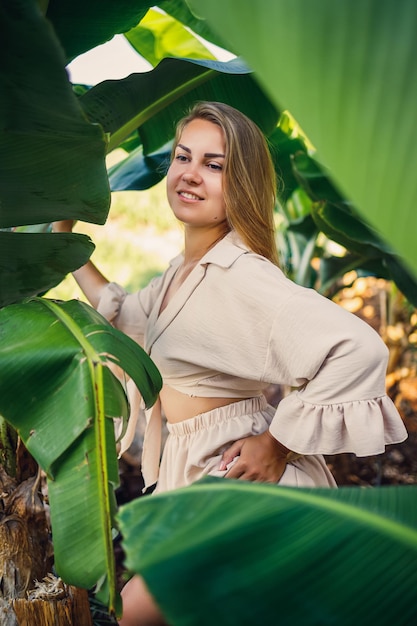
248, 406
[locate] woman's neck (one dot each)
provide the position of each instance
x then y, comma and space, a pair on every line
197, 242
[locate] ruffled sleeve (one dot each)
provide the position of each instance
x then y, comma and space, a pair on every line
338, 364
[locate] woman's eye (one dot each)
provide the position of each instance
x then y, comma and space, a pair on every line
181, 157
215, 166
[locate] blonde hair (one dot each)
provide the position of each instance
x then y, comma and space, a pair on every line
249, 180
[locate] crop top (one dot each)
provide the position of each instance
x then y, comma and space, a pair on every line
237, 325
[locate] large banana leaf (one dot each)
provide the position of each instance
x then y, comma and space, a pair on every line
34, 262
52, 159
159, 35
82, 25
340, 222
57, 391
236, 553
180, 11
347, 72
152, 102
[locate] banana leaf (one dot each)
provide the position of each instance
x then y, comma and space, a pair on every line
102, 19
373, 256
138, 171
81, 25
52, 159
339, 221
285, 144
152, 102
57, 391
346, 71
159, 35
32, 263
231, 552
180, 10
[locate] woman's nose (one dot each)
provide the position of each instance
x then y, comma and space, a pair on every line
191, 176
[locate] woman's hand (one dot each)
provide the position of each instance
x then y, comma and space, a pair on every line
63, 226
261, 458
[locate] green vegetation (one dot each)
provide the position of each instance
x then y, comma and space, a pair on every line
245, 553
348, 78
139, 238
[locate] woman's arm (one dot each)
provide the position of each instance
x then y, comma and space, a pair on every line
336, 364
90, 280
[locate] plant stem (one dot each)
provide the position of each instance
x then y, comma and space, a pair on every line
8, 443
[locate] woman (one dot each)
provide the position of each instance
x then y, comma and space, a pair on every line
223, 322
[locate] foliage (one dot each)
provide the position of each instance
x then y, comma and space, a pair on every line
159, 35
65, 138
313, 207
53, 145
44, 134
140, 112
231, 552
60, 353
140, 237
55, 352
350, 80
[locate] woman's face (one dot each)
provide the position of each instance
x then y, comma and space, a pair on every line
195, 176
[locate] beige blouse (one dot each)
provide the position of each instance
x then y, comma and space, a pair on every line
237, 324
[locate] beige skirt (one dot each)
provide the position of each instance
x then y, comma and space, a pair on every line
194, 447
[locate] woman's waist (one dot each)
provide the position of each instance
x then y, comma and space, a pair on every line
179, 406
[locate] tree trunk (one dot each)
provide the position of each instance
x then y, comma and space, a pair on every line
29, 595
71, 610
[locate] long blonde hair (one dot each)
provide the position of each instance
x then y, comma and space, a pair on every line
249, 180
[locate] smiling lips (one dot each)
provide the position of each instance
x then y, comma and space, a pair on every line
189, 196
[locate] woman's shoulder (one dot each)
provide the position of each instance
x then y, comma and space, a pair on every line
255, 269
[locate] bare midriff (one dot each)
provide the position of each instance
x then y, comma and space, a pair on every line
179, 406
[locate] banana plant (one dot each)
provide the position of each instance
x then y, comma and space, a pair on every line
58, 392
146, 121
65, 137
333, 216
234, 552
355, 102
53, 145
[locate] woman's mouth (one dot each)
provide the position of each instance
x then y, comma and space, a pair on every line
189, 196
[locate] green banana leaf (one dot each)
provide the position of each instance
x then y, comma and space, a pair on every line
159, 35
152, 102
138, 171
180, 11
285, 143
341, 223
371, 253
237, 553
346, 71
82, 25
57, 391
32, 263
52, 159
